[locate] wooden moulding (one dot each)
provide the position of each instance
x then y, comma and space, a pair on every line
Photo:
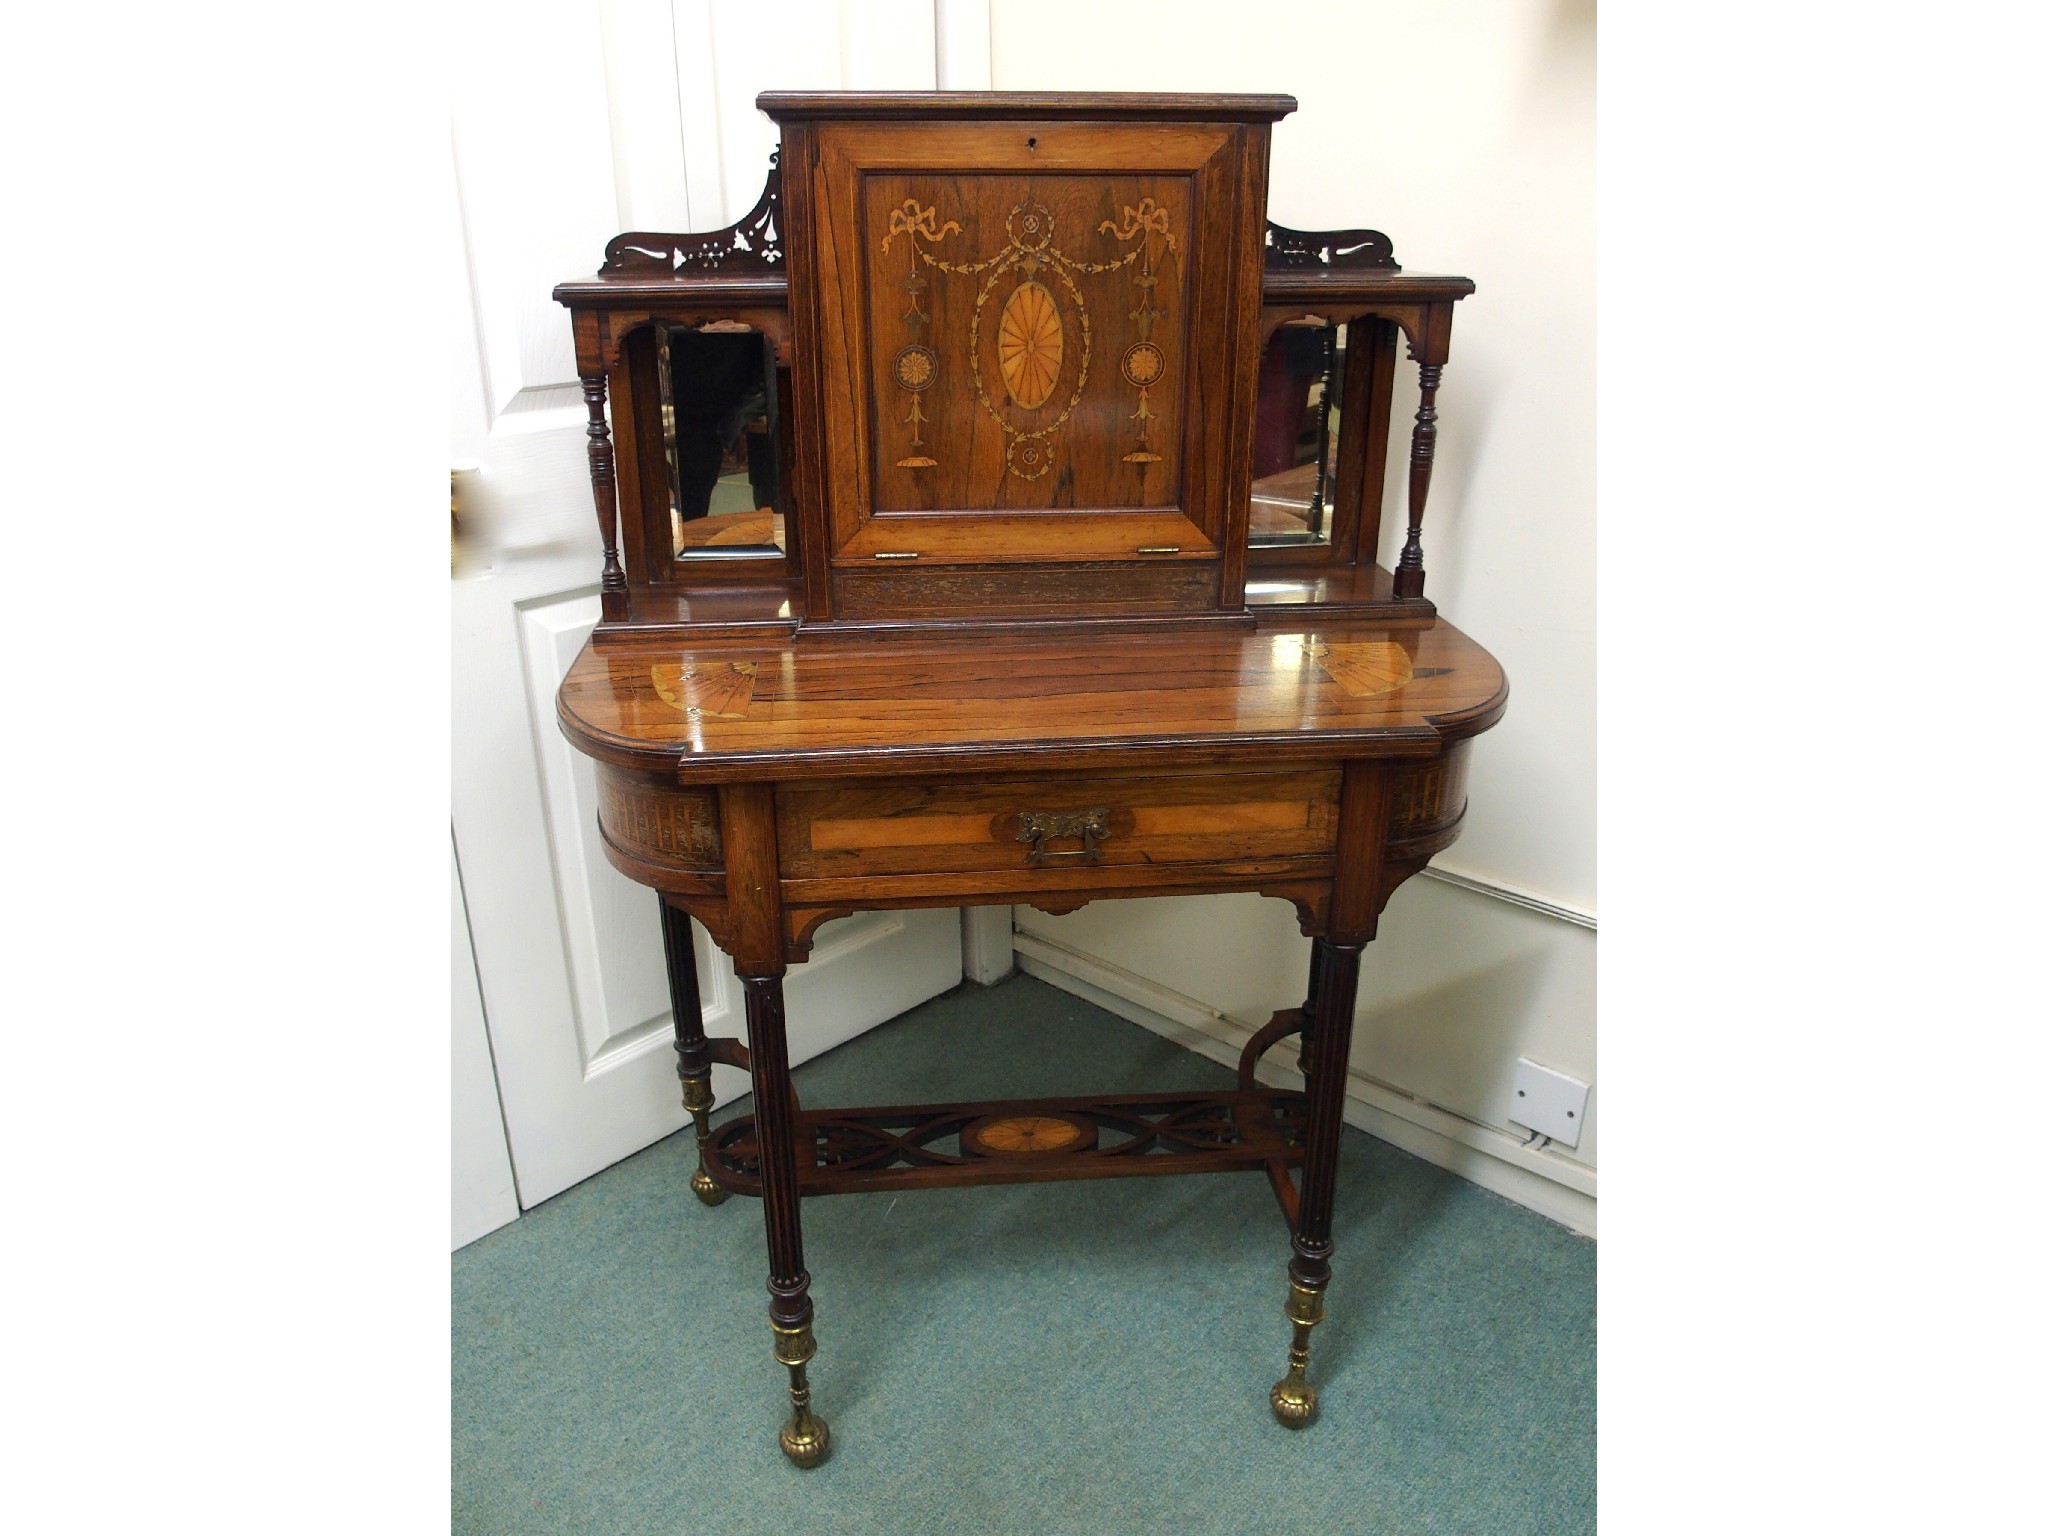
1288, 596
1306, 889
918, 708
976, 592
1104, 106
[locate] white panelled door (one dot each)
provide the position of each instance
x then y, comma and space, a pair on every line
570, 124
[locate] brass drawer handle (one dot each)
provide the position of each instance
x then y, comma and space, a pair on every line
1039, 827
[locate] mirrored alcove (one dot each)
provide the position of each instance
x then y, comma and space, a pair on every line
1294, 453
723, 422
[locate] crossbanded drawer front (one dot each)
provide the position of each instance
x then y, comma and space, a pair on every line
1019, 824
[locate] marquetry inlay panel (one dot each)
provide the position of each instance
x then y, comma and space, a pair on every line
723, 690
1027, 1135
1434, 796
671, 825
1027, 336
1365, 669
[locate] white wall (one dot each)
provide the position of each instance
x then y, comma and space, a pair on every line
1465, 131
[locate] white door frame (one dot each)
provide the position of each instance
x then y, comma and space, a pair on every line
568, 128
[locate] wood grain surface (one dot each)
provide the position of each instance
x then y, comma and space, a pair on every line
1076, 700
973, 189
833, 829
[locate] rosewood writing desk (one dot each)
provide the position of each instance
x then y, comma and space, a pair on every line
990, 517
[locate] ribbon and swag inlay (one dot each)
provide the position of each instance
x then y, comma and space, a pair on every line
1030, 330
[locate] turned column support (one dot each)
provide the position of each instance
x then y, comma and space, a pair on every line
693, 1051
1408, 574
1319, 506
1429, 345
604, 490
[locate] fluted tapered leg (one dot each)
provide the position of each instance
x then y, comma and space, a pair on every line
1308, 1009
1335, 991
805, 1438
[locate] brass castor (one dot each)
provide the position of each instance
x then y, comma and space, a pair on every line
1294, 1400
805, 1438
708, 1189
697, 1100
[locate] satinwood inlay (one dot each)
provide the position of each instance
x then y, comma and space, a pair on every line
723, 690
1030, 341
1369, 668
1025, 1135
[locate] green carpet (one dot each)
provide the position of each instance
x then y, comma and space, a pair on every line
1044, 1358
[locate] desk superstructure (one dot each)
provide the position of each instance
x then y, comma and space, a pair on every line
990, 517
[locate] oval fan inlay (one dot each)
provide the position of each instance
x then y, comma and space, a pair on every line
1030, 341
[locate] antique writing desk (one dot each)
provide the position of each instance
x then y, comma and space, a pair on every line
990, 517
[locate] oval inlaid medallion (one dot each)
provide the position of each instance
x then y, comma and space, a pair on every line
1030, 341
1025, 1135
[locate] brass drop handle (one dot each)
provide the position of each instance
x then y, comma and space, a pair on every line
1039, 827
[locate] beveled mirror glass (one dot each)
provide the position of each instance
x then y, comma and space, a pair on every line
1294, 452
722, 414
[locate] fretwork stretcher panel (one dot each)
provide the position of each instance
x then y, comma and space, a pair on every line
1023, 1141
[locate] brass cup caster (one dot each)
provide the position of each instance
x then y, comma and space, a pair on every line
708, 1189
1294, 1400
697, 1100
805, 1438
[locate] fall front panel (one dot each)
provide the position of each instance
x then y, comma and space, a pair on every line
1027, 340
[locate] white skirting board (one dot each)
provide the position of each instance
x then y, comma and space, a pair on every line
1553, 1186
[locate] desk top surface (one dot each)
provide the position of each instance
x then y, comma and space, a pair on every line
734, 710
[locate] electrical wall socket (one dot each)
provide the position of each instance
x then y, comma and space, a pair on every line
1548, 1101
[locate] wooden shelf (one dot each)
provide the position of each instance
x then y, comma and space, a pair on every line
1279, 593
922, 1146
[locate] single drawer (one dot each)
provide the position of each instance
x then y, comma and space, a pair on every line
843, 829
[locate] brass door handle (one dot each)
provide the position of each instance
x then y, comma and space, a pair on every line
1037, 828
